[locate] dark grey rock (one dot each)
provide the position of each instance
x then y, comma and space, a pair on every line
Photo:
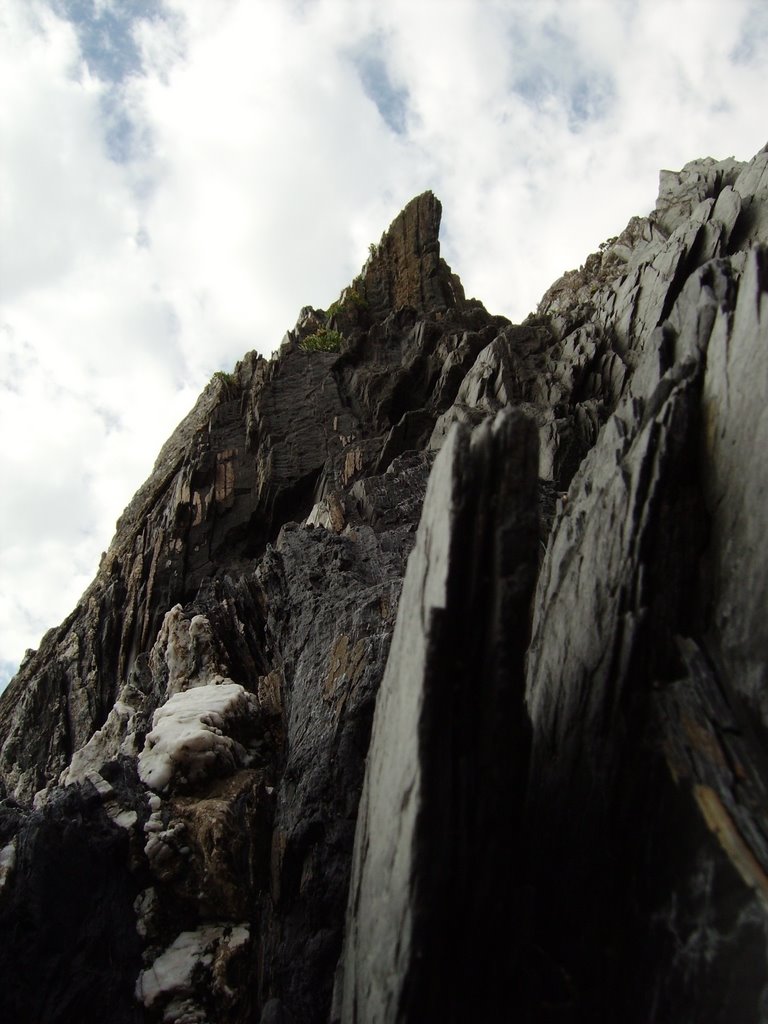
405, 269
69, 949
275, 1013
449, 738
563, 811
735, 472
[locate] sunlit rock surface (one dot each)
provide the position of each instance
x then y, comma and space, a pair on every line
257, 777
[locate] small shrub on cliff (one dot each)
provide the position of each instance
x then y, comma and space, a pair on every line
227, 379
350, 301
325, 340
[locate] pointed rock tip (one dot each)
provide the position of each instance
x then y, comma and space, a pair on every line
425, 206
406, 269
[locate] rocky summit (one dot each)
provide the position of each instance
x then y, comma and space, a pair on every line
425, 678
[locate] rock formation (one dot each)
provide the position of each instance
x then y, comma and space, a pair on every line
537, 551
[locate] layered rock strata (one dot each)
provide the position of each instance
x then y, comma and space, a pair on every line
428, 896
563, 812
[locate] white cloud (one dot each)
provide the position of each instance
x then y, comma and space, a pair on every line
265, 141
170, 201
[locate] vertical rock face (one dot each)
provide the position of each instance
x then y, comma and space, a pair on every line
258, 449
563, 811
427, 895
405, 269
633, 663
213, 691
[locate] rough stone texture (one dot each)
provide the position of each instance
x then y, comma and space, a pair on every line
259, 448
211, 581
648, 877
68, 945
405, 269
735, 469
333, 595
449, 728
564, 806
640, 858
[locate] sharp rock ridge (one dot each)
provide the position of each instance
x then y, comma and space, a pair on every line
425, 678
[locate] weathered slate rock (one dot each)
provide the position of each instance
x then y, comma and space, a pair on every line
405, 269
449, 738
261, 446
709, 939
332, 601
565, 825
735, 468
624, 925
68, 946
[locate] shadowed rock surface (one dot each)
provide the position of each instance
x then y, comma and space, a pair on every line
430, 885
563, 814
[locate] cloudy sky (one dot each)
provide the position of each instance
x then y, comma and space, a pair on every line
179, 177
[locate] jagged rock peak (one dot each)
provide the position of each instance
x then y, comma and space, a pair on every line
255, 452
548, 700
405, 268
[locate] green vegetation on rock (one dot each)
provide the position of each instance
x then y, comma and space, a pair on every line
227, 379
350, 300
324, 340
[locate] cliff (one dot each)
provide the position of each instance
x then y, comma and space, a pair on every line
425, 678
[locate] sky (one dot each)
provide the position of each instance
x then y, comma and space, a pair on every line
179, 177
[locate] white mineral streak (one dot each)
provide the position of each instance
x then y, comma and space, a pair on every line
189, 737
125, 819
187, 650
185, 1011
7, 862
82, 771
115, 737
171, 973
185, 647
145, 907
163, 845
